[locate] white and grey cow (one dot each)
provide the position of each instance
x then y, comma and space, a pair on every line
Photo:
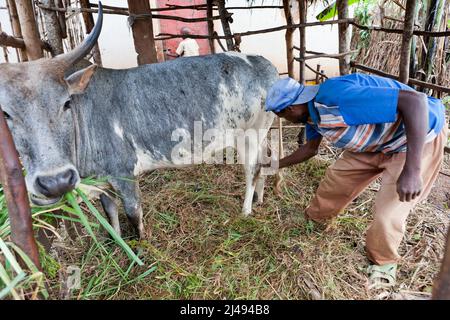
120, 123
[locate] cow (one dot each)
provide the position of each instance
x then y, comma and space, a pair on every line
119, 124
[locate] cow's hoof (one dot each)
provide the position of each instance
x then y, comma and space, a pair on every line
246, 213
255, 197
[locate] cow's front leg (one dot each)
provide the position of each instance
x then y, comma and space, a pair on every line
130, 195
111, 210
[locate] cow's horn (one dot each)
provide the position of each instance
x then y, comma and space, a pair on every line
86, 46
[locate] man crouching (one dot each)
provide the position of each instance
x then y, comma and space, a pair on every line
387, 130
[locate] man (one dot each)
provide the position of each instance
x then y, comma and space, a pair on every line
387, 129
188, 47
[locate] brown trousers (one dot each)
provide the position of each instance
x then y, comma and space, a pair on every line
353, 172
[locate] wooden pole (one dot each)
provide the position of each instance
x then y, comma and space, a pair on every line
89, 23
54, 36
288, 37
16, 29
11, 177
144, 41
302, 7
405, 52
209, 14
433, 24
29, 29
224, 16
344, 36
441, 288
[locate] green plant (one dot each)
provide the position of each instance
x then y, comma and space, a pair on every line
17, 283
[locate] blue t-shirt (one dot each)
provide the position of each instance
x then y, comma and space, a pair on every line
358, 112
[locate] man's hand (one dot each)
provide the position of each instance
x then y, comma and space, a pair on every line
409, 185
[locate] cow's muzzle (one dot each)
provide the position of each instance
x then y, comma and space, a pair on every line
53, 187
44, 202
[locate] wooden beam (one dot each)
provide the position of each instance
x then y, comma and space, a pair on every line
144, 41
411, 81
400, 31
9, 41
344, 37
326, 55
89, 23
165, 36
405, 52
29, 29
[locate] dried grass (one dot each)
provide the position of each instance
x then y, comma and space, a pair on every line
204, 249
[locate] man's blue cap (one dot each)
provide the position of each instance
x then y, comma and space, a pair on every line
287, 92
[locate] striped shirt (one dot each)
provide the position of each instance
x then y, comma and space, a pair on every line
359, 113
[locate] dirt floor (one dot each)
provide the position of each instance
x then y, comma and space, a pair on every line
204, 249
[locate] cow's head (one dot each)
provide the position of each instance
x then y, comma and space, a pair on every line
35, 97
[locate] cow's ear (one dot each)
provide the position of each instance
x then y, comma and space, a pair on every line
78, 81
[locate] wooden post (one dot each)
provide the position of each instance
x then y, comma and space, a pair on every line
288, 38
435, 15
302, 7
344, 36
54, 36
223, 13
209, 14
144, 41
30, 31
408, 28
441, 288
89, 23
11, 177
17, 31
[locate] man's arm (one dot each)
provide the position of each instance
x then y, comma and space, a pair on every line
303, 153
413, 107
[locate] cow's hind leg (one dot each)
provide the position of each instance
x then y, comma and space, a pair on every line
111, 210
248, 154
131, 198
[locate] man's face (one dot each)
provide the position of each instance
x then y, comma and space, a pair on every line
295, 113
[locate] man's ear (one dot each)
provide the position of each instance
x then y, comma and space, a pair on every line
78, 81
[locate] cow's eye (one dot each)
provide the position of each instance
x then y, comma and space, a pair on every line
6, 115
67, 105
